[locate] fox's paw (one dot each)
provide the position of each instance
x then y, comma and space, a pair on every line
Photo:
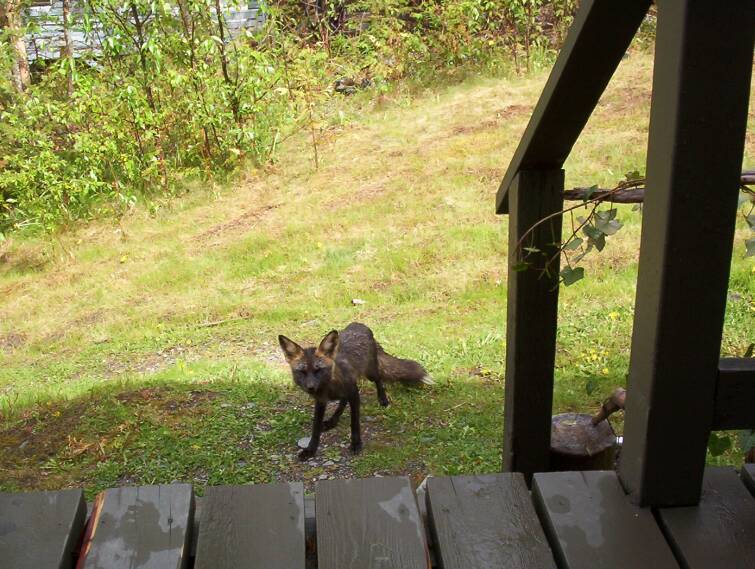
306, 454
384, 401
329, 424
356, 447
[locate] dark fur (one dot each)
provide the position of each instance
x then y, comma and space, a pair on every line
331, 372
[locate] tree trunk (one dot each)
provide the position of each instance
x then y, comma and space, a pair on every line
68, 46
10, 19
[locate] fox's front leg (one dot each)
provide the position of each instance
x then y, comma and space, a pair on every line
356, 435
314, 440
333, 421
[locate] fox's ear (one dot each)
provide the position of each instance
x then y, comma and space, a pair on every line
291, 349
329, 344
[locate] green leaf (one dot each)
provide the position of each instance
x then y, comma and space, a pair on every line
610, 227
591, 386
750, 244
520, 266
718, 443
592, 231
570, 276
633, 175
746, 440
590, 191
599, 243
742, 199
573, 244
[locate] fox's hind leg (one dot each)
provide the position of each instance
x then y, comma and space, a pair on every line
332, 422
373, 374
356, 434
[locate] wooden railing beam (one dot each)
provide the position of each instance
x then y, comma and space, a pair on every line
597, 40
735, 394
698, 119
532, 308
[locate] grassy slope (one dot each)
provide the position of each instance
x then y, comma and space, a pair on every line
146, 351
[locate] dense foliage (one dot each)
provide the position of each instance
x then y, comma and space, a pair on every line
174, 95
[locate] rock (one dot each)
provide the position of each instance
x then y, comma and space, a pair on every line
303, 442
323, 477
328, 463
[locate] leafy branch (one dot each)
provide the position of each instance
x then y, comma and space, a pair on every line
590, 232
594, 228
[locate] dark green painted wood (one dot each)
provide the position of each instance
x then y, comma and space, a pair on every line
598, 38
145, 527
246, 527
735, 394
698, 118
748, 477
39, 530
372, 523
532, 312
720, 531
486, 522
591, 523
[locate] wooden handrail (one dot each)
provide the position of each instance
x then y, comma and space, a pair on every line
597, 41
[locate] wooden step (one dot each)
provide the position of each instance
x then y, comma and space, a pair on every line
145, 527
39, 530
719, 532
748, 477
372, 523
486, 522
590, 523
252, 526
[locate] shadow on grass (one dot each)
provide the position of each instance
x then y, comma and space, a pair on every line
243, 430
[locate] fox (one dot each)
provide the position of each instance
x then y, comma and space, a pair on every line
330, 372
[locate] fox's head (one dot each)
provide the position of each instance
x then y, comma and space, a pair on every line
311, 367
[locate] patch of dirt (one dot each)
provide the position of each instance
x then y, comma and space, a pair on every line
11, 341
24, 260
241, 224
501, 116
626, 100
150, 363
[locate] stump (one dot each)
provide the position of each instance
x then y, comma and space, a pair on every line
578, 444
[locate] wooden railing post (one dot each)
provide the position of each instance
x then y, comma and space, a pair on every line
701, 84
531, 322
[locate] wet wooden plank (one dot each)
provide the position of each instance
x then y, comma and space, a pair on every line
718, 532
369, 524
590, 523
252, 526
486, 522
39, 530
748, 477
145, 527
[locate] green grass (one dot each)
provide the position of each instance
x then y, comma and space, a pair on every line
145, 350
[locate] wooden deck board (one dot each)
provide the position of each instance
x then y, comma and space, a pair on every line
486, 522
718, 532
244, 527
748, 477
590, 523
38, 530
146, 527
369, 524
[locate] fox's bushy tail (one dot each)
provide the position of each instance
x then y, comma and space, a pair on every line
394, 369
